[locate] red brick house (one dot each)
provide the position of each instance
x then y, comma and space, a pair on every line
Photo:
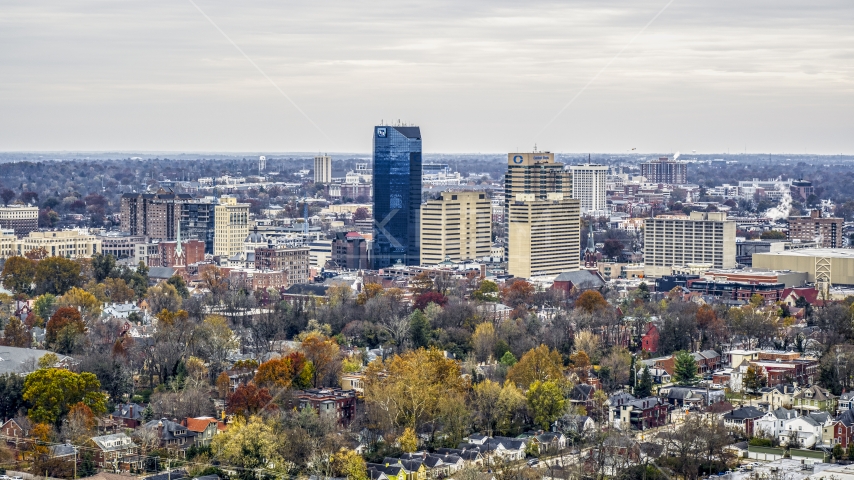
649, 340
337, 403
16, 431
116, 452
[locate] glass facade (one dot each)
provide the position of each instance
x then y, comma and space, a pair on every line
397, 196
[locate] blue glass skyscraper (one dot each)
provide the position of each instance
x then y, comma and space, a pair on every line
397, 196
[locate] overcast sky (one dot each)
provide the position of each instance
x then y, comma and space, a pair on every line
476, 75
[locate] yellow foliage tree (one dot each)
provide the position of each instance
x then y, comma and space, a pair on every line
407, 440
88, 305
538, 364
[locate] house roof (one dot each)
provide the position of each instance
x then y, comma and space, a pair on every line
171, 430
744, 413
582, 392
199, 424
161, 272
64, 450
173, 475
131, 411
784, 414
21, 360
113, 442
818, 394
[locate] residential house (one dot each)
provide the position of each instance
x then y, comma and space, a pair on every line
16, 431
509, 449
436, 466
389, 472
845, 401
803, 431
204, 427
743, 419
582, 395
649, 340
129, 414
814, 398
334, 402
549, 442
779, 396
115, 452
64, 451
707, 361
840, 431
619, 398
640, 414
172, 435
691, 396
470, 456
772, 423
615, 455
413, 469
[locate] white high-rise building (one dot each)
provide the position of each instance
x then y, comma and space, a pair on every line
588, 187
322, 169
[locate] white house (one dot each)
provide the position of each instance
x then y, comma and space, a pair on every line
771, 425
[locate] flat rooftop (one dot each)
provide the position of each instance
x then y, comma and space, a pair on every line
814, 252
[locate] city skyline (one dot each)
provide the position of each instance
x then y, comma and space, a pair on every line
489, 77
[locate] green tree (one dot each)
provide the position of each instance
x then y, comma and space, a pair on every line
11, 395
838, 452
102, 266
180, 286
44, 305
508, 359
850, 451
753, 379
419, 329
52, 392
546, 403
644, 386
18, 275
57, 275
685, 368
486, 292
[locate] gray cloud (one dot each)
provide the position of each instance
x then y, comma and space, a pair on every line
477, 75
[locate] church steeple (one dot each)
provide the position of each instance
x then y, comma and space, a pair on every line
179, 249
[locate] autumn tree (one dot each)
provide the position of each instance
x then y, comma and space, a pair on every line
408, 389
249, 399
292, 370
591, 301
163, 297
483, 341
325, 357
546, 403
487, 291
754, 379
63, 328
216, 340
517, 293
350, 465
18, 275
85, 302
80, 423
17, 334
538, 364
250, 444
484, 399
57, 275
223, 384
52, 392
118, 290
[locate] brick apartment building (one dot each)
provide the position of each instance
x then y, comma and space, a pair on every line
826, 231
340, 404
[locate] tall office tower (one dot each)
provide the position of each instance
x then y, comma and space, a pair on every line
322, 169
541, 216
231, 226
458, 226
588, 187
153, 215
262, 163
665, 171
197, 220
397, 196
825, 231
22, 219
706, 238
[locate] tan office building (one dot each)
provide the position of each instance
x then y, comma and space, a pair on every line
541, 216
834, 266
322, 169
457, 226
231, 226
704, 237
65, 243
